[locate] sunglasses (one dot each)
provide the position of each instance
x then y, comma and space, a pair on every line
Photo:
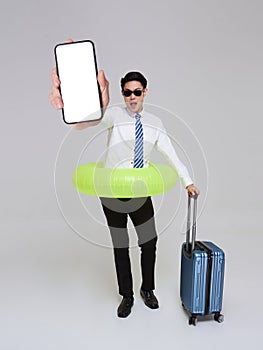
128, 93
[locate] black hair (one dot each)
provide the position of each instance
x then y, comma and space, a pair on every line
134, 76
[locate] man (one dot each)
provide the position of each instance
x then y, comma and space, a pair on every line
133, 134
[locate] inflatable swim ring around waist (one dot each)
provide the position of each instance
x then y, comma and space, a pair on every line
95, 180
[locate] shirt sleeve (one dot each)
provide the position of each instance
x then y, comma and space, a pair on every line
164, 146
108, 117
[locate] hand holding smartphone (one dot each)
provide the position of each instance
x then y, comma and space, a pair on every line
77, 70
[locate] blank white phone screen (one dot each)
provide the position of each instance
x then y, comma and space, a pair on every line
76, 66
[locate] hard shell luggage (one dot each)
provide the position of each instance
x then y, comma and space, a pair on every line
202, 274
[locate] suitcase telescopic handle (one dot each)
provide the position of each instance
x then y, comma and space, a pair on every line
190, 248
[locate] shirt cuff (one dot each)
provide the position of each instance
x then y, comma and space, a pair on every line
187, 181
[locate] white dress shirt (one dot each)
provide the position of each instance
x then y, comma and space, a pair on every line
121, 141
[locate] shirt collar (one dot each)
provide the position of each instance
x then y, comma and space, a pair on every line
131, 114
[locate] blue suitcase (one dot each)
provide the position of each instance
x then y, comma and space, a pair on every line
202, 274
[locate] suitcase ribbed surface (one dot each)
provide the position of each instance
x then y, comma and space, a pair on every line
217, 278
193, 281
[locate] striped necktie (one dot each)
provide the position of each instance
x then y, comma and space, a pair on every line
138, 155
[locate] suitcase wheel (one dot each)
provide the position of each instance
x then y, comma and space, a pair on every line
219, 317
193, 320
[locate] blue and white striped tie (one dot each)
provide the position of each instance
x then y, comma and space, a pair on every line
138, 156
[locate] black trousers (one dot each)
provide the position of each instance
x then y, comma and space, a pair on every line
141, 212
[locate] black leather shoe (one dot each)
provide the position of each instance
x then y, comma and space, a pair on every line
149, 298
125, 306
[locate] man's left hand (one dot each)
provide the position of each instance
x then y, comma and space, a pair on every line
192, 190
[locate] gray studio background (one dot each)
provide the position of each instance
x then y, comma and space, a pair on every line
203, 60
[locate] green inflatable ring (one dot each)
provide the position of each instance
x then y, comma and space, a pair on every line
95, 180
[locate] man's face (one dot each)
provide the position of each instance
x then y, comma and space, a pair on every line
134, 103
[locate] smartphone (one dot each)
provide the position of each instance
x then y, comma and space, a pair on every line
77, 70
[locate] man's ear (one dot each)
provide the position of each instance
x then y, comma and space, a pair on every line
145, 91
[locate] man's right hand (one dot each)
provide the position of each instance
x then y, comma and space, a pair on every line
55, 97
104, 89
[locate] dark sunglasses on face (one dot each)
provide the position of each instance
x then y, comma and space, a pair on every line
128, 93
